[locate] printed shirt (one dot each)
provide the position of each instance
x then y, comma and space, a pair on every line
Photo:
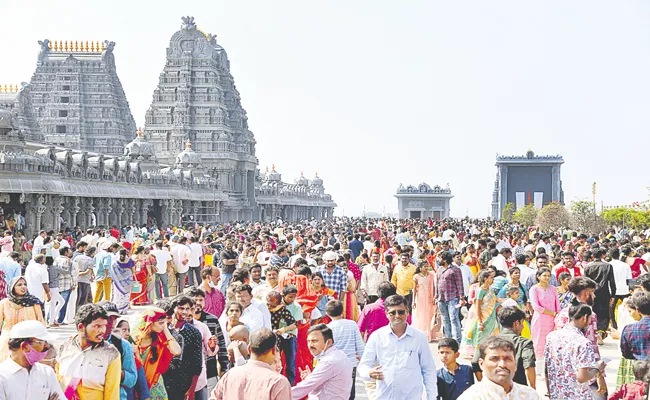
566, 351
488, 390
635, 340
182, 369
337, 280
281, 318
65, 279
591, 333
222, 353
450, 284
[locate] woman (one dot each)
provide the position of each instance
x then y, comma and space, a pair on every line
122, 274
471, 259
143, 273
19, 306
565, 296
325, 294
233, 313
636, 264
155, 347
523, 301
482, 321
424, 311
350, 305
545, 303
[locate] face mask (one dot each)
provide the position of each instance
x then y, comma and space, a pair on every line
34, 356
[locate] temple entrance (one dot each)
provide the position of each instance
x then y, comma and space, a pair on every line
436, 215
415, 214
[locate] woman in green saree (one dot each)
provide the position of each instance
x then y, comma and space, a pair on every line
482, 315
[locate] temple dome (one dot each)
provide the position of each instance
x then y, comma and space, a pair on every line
302, 181
273, 175
139, 148
188, 158
317, 181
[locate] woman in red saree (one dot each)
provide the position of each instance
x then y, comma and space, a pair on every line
308, 299
142, 273
155, 346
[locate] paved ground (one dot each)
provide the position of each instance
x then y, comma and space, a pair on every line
610, 349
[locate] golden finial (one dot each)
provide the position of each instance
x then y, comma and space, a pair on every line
103, 48
5, 89
86, 46
139, 133
188, 144
57, 46
66, 45
92, 46
49, 45
76, 45
54, 45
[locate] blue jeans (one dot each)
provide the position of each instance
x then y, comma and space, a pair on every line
161, 279
225, 281
201, 394
449, 313
289, 347
66, 296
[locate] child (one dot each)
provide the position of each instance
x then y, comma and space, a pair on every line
453, 378
634, 390
513, 294
283, 321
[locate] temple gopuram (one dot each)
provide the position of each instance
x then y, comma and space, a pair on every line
71, 155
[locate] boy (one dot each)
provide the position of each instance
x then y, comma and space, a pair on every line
513, 294
635, 389
453, 378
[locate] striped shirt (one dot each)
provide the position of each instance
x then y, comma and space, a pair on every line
347, 338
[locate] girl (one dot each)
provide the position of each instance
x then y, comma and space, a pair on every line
424, 310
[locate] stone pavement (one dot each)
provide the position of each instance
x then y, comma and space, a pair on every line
610, 349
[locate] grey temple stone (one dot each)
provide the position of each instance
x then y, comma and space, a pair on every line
70, 155
423, 201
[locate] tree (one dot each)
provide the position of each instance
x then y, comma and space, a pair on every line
584, 218
552, 217
526, 215
628, 217
508, 212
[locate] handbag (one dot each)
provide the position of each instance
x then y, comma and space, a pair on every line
136, 287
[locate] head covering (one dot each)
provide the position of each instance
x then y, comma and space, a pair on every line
31, 329
145, 322
154, 364
27, 300
330, 255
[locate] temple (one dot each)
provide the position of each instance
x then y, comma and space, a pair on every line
528, 179
423, 201
70, 153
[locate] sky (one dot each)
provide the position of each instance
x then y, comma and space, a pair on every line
373, 93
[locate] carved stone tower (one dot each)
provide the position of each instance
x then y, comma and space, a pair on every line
196, 100
77, 98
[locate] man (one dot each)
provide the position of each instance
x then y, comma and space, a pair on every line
545, 243
256, 275
183, 372
181, 256
196, 259
214, 299
333, 275
66, 282
263, 258
399, 358
229, 259
253, 316
129, 371
9, 265
373, 316
355, 246
89, 367
22, 376
271, 284
212, 322
525, 270
512, 319
89, 238
497, 360
346, 336
103, 281
542, 262
403, 278
332, 376
500, 262
583, 289
468, 277
38, 279
83, 265
256, 379
635, 337
602, 273
571, 361
568, 265
6, 244
279, 259
209, 350
372, 275
622, 272
164, 264
449, 294
301, 253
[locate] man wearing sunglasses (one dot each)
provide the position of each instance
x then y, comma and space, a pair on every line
22, 376
399, 358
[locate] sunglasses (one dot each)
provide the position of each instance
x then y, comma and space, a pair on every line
397, 312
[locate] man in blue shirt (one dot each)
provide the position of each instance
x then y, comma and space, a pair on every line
9, 265
129, 372
403, 359
356, 246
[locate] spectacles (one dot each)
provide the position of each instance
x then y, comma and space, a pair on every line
397, 312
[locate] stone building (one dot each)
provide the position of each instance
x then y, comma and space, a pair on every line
75, 175
529, 179
423, 201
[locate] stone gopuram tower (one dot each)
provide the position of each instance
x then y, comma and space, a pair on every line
196, 100
77, 99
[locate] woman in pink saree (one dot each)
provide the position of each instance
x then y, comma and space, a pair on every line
424, 311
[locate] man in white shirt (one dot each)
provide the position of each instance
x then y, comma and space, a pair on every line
499, 262
302, 253
89, 238
196, 259
22, 376
251, 317
264, 257
37, 278
523, 262
468, 277
181, 256
163, 258
38, 243
372, 275
622, 272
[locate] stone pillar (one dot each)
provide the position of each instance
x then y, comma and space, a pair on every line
119, 213
74, 211
503, 189
40, 210
57, 210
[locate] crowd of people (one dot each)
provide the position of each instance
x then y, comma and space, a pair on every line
303, 310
